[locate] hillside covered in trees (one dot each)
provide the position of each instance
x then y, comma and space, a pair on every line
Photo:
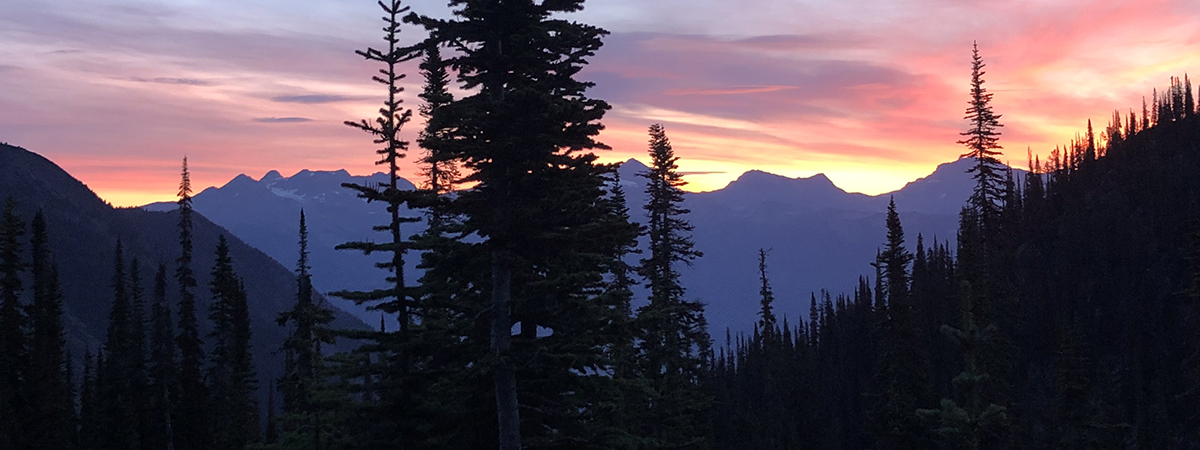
1064, 316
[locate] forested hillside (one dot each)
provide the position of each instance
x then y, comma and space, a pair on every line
1065, 314
1071, 323
80, 235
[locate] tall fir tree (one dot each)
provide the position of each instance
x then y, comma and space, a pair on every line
675, 342
982, 141
89, 407
52, 406
522, 135
1189, 102
190, 419
385, 129
767, 321
231, 377
303, 361
13, 347
389, 376
900, 375
971, 422
139, 384
119, 426
619, 294
162, 370
439, 171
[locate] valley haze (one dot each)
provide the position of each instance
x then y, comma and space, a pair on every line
819, 236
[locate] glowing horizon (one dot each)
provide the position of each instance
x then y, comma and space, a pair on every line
118, 92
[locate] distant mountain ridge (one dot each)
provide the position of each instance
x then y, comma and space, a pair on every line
265, 213
821, 236
83, 231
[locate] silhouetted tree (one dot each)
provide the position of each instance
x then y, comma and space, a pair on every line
13, 346
971, 422
982, 141
309, 321
162, 370
522, 134
674, 342
189, 420
52, 408
231, 377
117, 402
900, 375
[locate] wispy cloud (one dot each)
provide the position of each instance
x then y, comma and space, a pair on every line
169, 80
281, 119
789, 87
733, 90
317, 98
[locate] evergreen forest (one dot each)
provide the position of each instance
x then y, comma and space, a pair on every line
1065, 314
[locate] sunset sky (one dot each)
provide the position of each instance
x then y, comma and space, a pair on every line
869, 92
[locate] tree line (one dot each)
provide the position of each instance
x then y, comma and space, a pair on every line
1062, 317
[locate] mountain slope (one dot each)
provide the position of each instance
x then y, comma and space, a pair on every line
83, 231
264, 213
820, 236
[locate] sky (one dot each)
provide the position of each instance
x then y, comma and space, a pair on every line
870, 92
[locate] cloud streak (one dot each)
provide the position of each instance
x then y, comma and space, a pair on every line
281, 119
168, 80
318, 98
796, 88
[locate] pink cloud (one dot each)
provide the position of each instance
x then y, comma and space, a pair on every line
733, 90
789, 87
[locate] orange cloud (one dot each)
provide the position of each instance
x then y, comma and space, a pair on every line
794, 88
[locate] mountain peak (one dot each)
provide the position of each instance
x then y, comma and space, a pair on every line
758, 179
240, 181
271, 176
632, 164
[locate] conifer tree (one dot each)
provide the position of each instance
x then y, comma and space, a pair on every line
139, 385
231, 377
971, 422
190, 421
901, 371
1156, 108
1177, 102
89, 408
521, 135
1089, 154
52, 408
301, 421
619, 297
895, 259
675, 342
271, 433
119, 426
162, 369
13, 347
388, 377
440, 172
1189, 102
1078, 409
1145, 116
982, 142
385, 130
766, 315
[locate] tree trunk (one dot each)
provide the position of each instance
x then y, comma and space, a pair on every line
507, 410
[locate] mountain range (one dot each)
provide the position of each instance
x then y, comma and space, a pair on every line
818, 235
83, 233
